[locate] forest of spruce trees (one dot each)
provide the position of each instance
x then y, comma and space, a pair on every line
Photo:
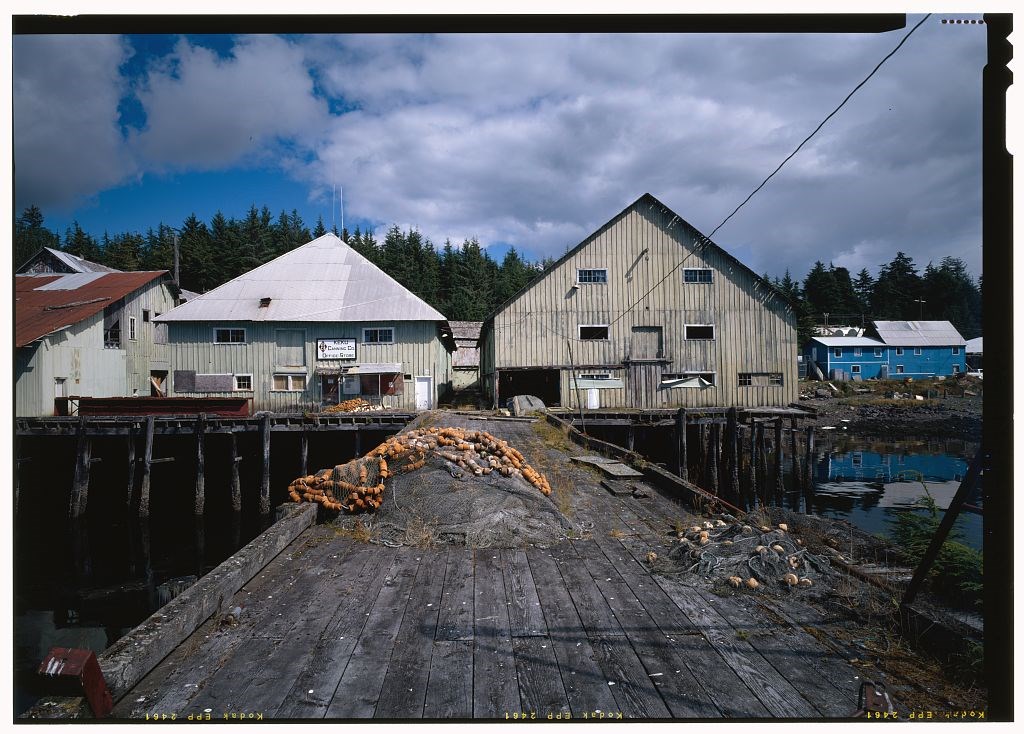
466, 284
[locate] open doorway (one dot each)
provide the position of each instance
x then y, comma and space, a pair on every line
543, 383
158, 383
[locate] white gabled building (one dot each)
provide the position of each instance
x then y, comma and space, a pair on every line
316, 326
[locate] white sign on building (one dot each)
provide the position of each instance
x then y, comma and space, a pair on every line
335, 348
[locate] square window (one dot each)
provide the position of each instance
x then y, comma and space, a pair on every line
243, 382
857, 352
384, 335
956, 350
290, 383
229, 336
697, 275
775, 378
899, 369
596, 332
837, 352
701, 332
746, 379
592, 275
899, 351
956, 369
855, 369
878, 352
917, 351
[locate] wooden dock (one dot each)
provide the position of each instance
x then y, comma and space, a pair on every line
340, 629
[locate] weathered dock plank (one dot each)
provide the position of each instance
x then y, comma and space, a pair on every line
450, 687
359, 689
540, 681
525, 616
495, 690
585, 686
593, 610
405, 684
635, 694
455, 621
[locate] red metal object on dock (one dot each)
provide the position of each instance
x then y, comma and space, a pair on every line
73, 672
145, 405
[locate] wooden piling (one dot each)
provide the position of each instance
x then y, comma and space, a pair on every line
752, 468
630, 437
712, 459
702, 452
303, 453
147, 467
809, 461
779, 489
793, 457
80, 482
200, 494
131, 465
236, 484
681, 456
359, 442
762, 465
265, 475
732, 458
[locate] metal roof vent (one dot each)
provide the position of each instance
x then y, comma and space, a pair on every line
264, 302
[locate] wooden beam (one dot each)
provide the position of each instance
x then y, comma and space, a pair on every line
80, 482
200, 494
762, 464
794, 461
681, 444
131, 465
236, 485
752, 468
732, 458
779, 489
265, 474
711, 460
147, 466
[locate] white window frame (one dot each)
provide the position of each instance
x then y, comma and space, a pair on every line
837, 352
714, 332
956, 350
229, 329
899, 369
918, 351
878, 352
289, 376
855, 369
596, 376
956, 369
378, 328
768, 375
251, 387
699, 281
591, 270
687, 374
858, 352
133, 333
581, 327
899, 351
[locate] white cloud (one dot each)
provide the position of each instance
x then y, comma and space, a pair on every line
67, 141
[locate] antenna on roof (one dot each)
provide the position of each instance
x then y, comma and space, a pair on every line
333, 186
341, 206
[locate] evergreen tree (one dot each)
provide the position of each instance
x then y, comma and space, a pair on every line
30, 236
320, 230
863, 286
950, 295
822, 293
124, 251
79, 242
198, 272
513, 275
472, 287
896, 290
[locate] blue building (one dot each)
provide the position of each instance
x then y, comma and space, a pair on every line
890, 350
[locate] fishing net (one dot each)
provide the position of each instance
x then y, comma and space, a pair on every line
440, 485
725, 550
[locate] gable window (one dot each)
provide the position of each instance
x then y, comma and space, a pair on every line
384, 335
760, 379
593, 332
878, 352
131, 328
229, 336
956, 350
899, 351
699, 332
112, 335
837, 352
243, 383
592, 275
857, 352
855, 369
917, 351
289, 382
697, 275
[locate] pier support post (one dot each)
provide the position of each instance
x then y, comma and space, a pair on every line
732, 458
809, 462
779, 489
303, 453
793, 457
752, 469
147, 467
236, 484
131, 465
630, 436
702, 452
762, 465
714, 454
681, 443
359, 442
200, 497
265, 475
80, 483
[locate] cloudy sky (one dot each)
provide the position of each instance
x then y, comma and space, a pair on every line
532, 141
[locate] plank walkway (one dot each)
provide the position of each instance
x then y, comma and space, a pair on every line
334, 628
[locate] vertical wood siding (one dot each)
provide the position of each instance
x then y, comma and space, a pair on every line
417, 347
755, 329
144, 354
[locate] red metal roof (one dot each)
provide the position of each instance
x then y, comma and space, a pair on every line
41, 312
